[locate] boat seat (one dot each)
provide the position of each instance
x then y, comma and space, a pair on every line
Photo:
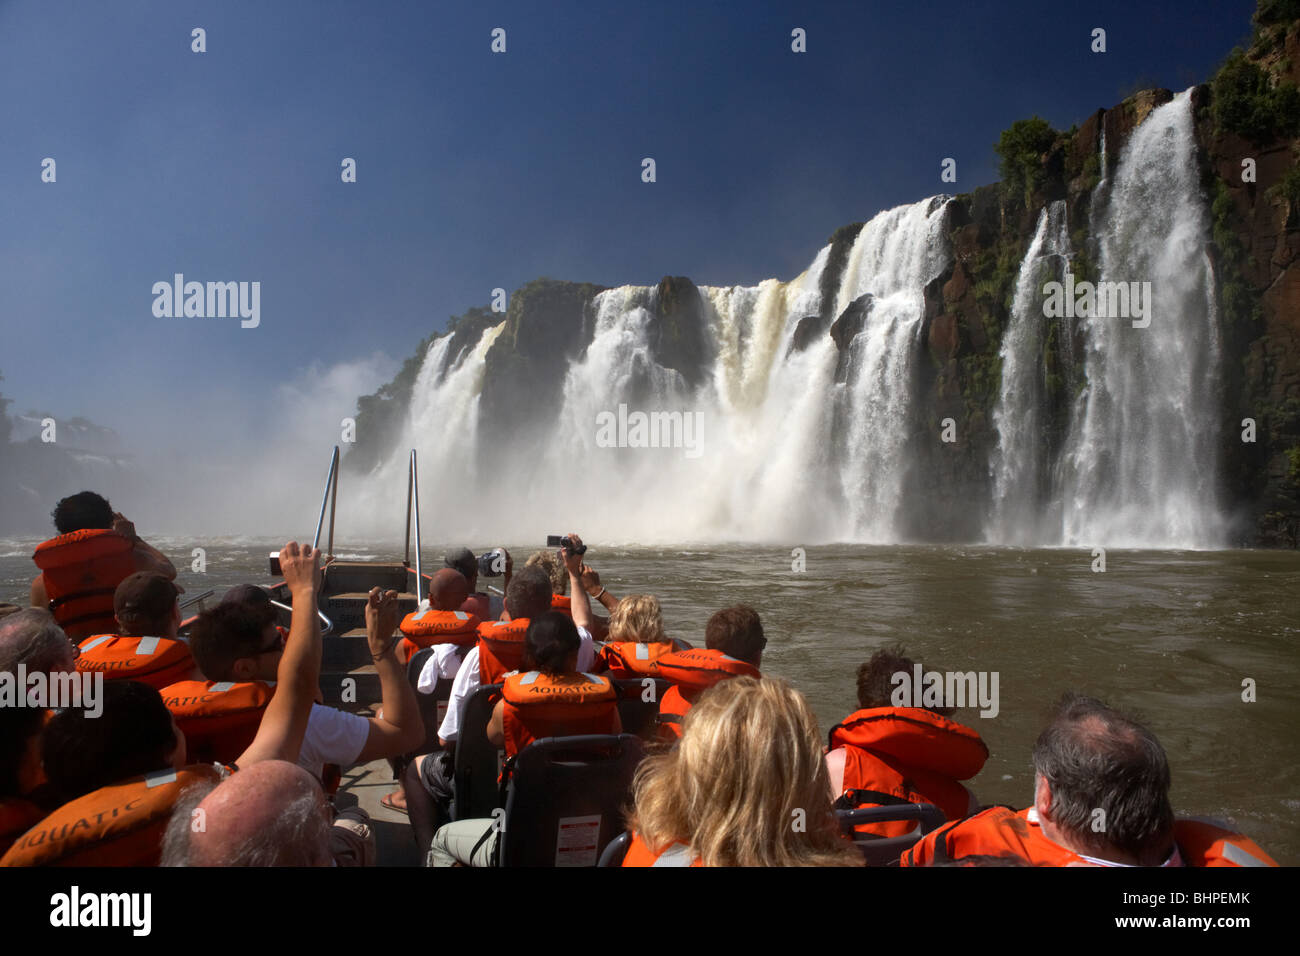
615, 850
885, 851
565, 798
637, 715
478, 761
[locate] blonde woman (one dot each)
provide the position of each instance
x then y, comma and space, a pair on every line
636, 638
745, 786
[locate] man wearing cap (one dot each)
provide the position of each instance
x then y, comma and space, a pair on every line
489, 607
146, 647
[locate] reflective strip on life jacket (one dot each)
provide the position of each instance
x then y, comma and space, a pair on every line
219, 719
81, 571
118, 825
1201, 843
500, 649
541, 705
156, 661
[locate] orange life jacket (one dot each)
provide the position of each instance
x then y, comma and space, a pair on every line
425, 628
563, 603
219, 718
118, 825
81, 570
906, 755
628, 659
500, 649
539, 705
675, 854
692, 671
156, 661
1001, 831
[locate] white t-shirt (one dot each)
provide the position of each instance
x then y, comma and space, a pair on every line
443, 662
467, 682
333, 736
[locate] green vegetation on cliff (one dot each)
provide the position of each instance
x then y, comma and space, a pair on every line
1247, 101
1020, 148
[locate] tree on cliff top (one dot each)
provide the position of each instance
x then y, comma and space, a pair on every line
1020, 148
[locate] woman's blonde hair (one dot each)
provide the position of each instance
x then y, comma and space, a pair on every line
556, 571
746, 785
637, 618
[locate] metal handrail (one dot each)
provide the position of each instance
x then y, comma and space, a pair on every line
331, 485
326, 625
413, 498
198, 597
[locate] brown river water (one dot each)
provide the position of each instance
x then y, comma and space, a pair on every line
1169, 636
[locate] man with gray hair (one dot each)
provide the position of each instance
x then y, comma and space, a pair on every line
33, 637
273, 813
1101, 798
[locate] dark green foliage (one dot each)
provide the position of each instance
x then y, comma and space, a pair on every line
1247, 103
1238, 301
1020, 149
1276, 11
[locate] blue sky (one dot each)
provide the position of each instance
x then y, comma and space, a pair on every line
476, 170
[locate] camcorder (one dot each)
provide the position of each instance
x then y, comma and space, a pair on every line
492, 564
564, 541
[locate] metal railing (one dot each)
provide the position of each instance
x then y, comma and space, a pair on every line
413, 502
329, 498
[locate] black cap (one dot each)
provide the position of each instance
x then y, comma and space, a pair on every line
463, 560
246, 594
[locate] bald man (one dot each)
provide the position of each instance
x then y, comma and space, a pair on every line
448, 591
272, 814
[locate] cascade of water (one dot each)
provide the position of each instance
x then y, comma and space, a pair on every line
1018, 465
1141, 462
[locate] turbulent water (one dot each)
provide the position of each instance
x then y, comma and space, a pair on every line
1170, 635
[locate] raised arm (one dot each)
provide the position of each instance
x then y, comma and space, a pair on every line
284, 724
591, 584
147, 557
400, 729
579, 606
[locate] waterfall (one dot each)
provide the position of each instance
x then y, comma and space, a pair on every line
780, 432
895, 256
1140, 465
774, 464
441, 424
1019, 466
